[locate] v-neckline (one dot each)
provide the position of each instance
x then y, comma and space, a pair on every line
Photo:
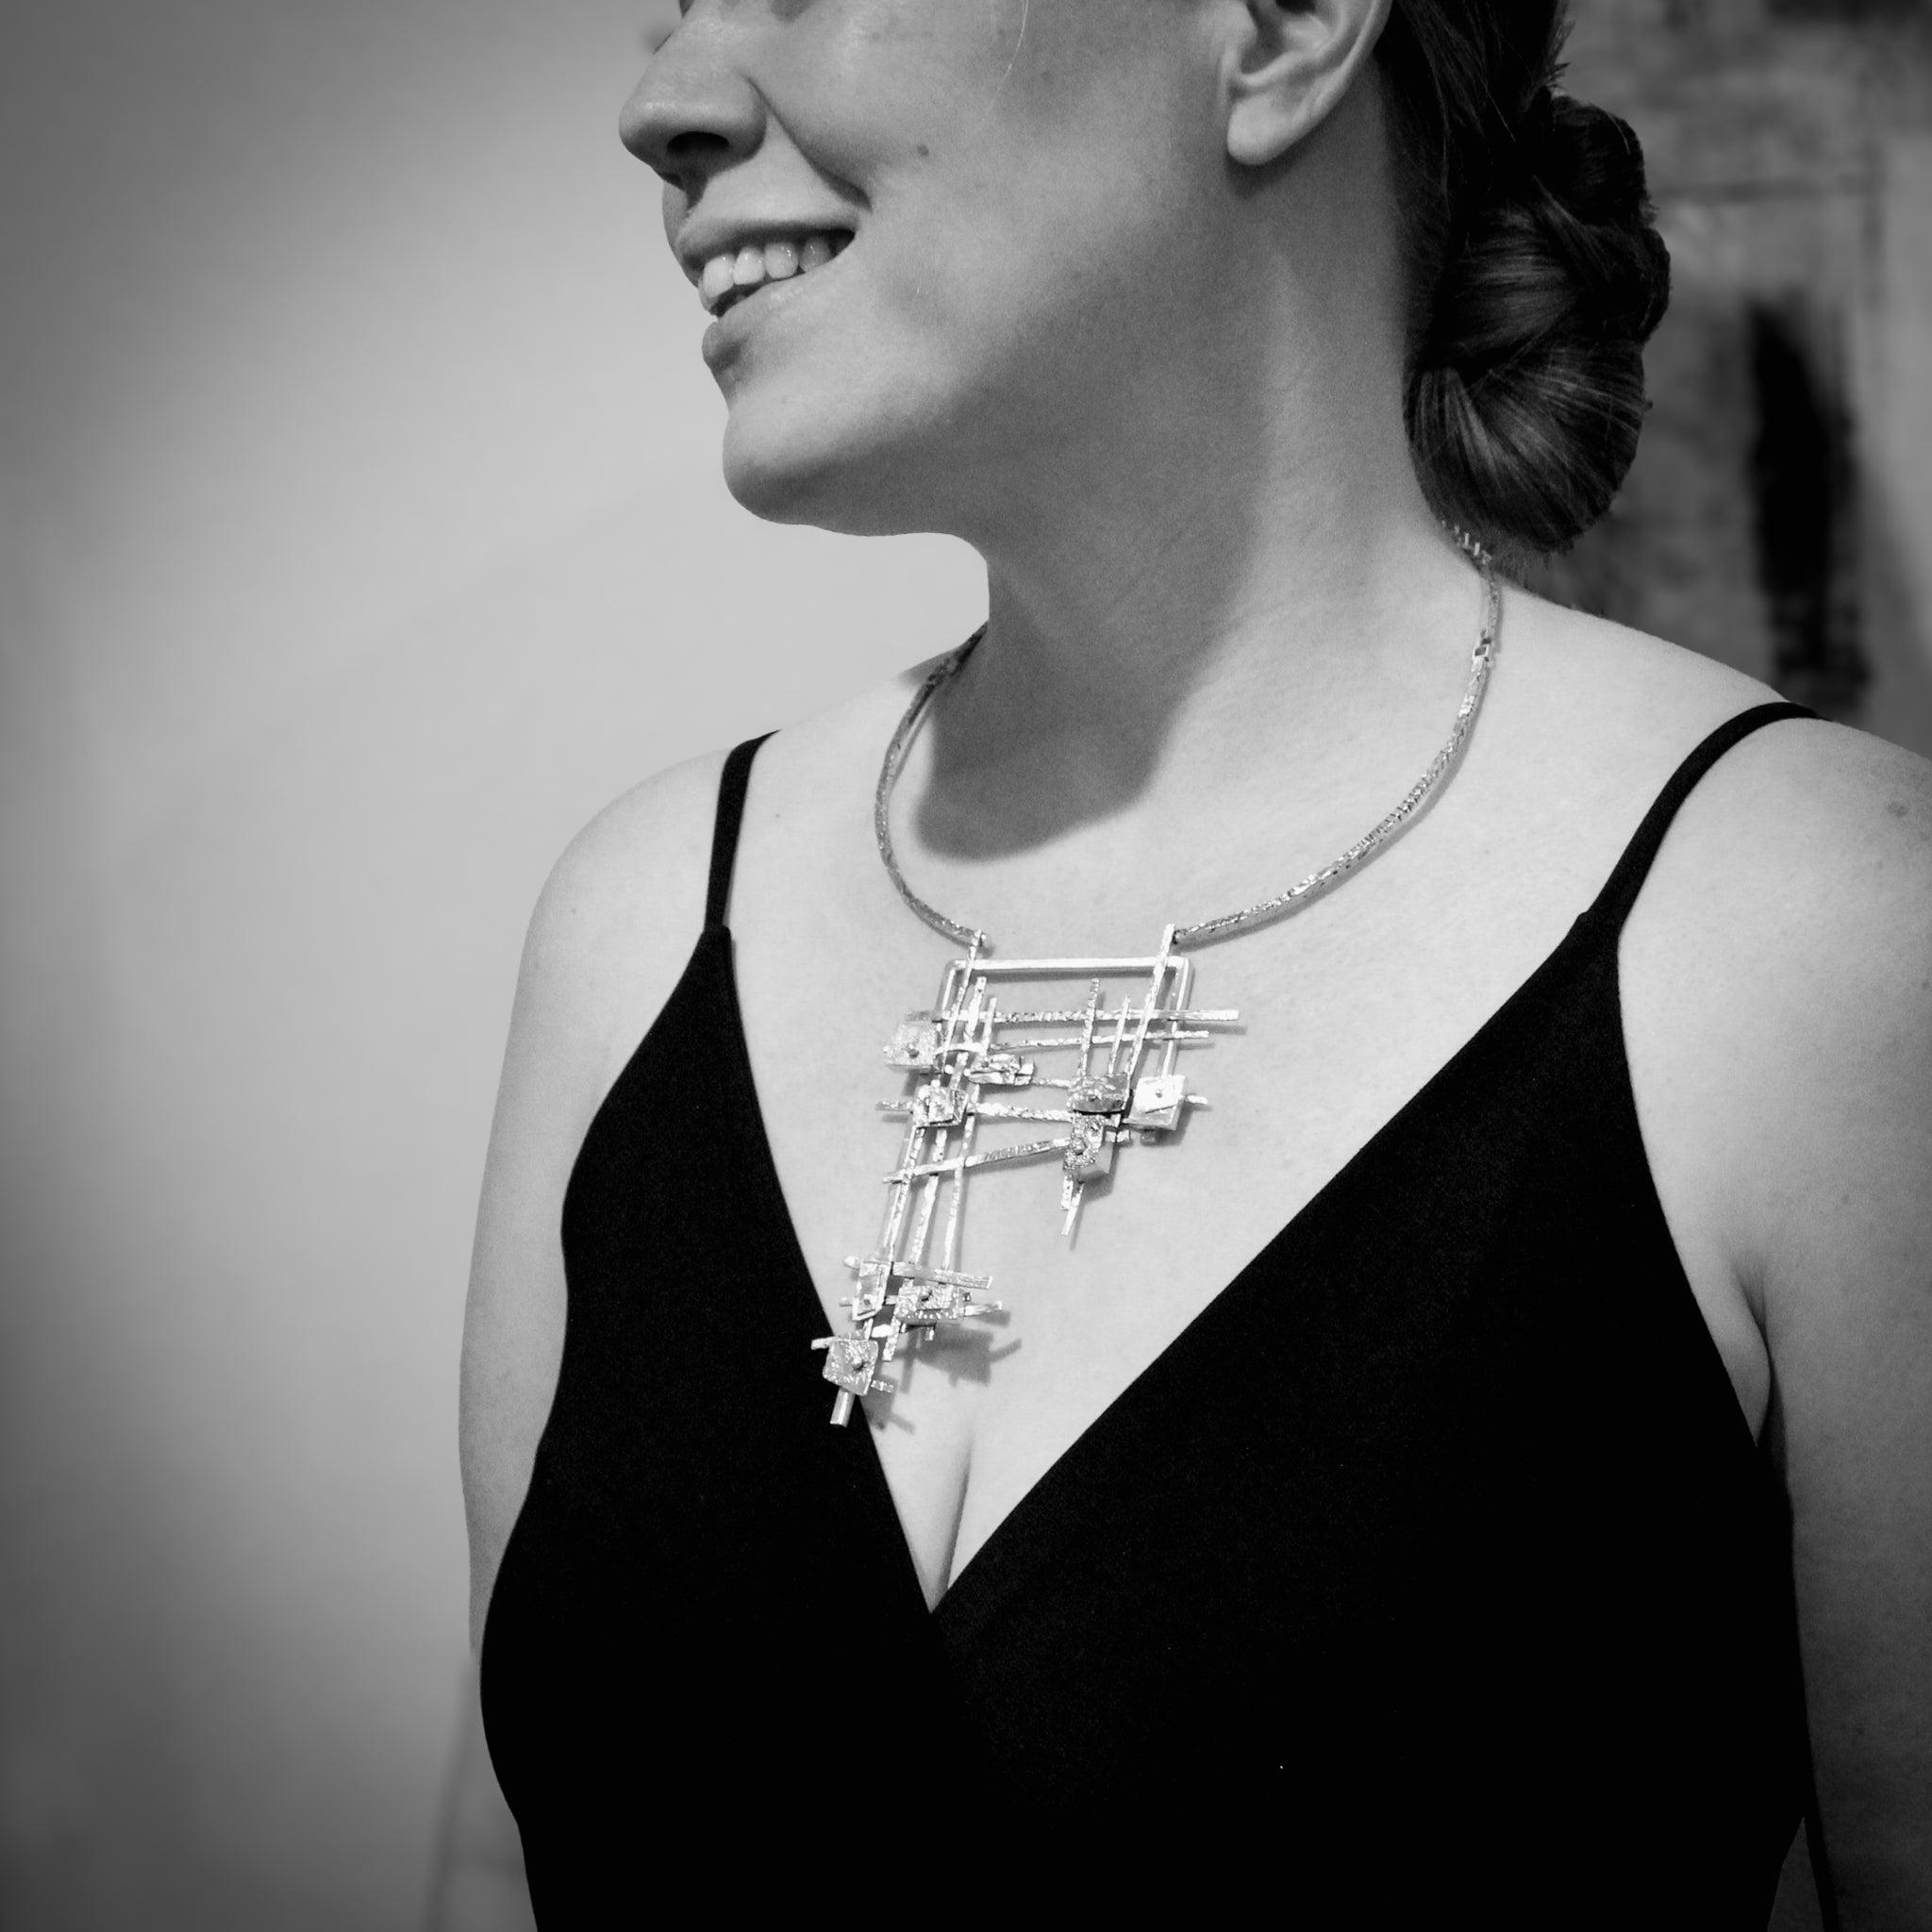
1029, 1501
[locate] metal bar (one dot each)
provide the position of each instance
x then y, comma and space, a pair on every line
1183, 985
896, 1214
1154, 989
908, 1271
1052, 969
1026, 1150
930, 1198
949, 1248
1221, 1016
1120, 1032
1182, 1037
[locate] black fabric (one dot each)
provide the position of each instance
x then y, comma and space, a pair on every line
1432, 1570
733, 782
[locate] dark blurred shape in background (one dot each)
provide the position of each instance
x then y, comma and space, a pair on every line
1779, 512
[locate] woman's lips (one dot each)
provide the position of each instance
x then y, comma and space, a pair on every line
737, 316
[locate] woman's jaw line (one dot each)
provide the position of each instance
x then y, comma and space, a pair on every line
1161, 508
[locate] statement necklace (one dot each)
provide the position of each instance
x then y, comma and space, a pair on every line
1121, 1080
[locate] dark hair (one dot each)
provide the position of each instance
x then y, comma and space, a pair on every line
1534, 274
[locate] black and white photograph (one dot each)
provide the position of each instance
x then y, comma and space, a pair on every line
966, 961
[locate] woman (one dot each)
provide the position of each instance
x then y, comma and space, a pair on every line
1374, 1484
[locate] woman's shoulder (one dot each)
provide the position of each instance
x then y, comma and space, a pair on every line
1793, 902
1777, 969
651, 845
625, 902
642, 864
1808, 800
1788, 909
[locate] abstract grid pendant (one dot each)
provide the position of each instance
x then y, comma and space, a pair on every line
1096, 1077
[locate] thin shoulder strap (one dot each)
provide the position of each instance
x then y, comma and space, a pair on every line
731, 789
1620, 890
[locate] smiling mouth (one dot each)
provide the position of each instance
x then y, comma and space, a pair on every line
729, 278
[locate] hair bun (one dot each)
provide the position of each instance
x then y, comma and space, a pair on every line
1586, 157
1526, 391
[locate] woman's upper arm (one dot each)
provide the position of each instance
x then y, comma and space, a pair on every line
1848, 1307
1829, 1110
611, 935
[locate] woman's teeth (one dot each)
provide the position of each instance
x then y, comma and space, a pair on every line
728, 276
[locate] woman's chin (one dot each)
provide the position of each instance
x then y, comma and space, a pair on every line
784, 475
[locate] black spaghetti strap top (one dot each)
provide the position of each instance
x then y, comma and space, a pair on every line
1431, 1575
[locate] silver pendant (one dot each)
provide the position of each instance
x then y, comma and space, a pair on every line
1121, 1082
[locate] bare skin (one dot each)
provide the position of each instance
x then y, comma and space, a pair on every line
1224, 635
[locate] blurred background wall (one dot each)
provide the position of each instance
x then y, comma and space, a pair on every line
1780, 513
362, 535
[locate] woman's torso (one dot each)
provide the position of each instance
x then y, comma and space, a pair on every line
1419, 1504
1347, 1011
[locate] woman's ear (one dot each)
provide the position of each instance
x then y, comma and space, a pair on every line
1288, 63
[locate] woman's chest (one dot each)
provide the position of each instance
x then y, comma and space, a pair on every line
1034, 1167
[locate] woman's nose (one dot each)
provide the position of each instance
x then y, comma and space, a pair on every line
693, 112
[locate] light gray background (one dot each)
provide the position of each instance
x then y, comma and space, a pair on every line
362, 536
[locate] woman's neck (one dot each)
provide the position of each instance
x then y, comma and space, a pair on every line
1165, 651
1214, 584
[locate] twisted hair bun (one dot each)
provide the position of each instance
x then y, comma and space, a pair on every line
1537, 276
